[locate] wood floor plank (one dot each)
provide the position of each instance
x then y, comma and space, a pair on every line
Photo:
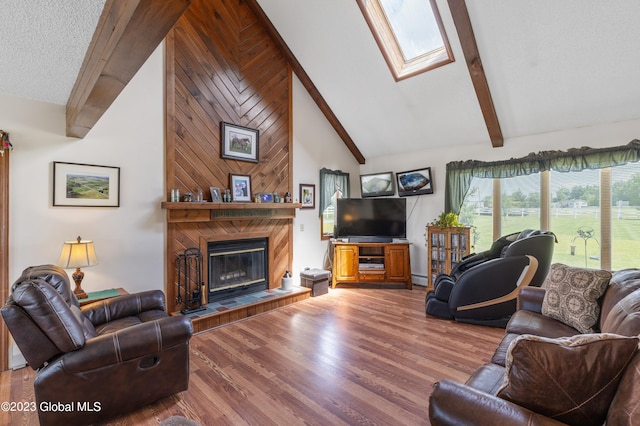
352, 356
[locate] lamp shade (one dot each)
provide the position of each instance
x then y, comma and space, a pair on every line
77, 254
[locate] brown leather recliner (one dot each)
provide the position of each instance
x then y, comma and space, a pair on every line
99, 361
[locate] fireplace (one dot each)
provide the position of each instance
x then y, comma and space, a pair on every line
237, 268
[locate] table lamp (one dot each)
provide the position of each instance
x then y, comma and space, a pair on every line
78, 254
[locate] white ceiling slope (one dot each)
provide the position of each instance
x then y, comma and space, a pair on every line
42, 46
550, 66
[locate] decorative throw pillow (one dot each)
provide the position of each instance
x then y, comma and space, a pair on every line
570, 379
572, 295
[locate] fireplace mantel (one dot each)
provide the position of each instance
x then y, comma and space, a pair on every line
209, 212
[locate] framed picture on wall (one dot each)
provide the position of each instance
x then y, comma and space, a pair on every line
238, 142
308, 196
85, 185
377, 184
415, 182
240, 187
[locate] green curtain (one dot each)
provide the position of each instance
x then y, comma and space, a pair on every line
332, 182
459, 174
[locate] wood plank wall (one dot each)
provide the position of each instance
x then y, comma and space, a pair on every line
221, 66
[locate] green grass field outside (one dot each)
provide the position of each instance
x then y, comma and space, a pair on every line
625, 229
90, 187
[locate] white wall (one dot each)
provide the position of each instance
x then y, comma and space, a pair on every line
425, 208
129, 240
315, 145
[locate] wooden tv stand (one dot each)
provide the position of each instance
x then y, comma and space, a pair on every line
371, 263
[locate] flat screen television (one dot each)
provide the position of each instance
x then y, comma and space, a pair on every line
371, 219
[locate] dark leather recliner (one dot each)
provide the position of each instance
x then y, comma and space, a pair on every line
495, 251
485, 293
98, 361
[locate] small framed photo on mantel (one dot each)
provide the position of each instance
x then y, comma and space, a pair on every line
216, 197
240, 188
238, 142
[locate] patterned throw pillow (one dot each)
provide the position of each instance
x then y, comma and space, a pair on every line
572, 295
570, 379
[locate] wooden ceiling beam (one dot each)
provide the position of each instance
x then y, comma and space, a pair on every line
127, 33
305, 79
461, 19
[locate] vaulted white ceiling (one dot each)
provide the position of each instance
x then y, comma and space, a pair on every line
550, 66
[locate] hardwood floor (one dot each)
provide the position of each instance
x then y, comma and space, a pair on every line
353, 356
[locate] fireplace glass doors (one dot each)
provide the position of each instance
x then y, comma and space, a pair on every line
237, 268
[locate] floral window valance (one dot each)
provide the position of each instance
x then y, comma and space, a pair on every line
460, 173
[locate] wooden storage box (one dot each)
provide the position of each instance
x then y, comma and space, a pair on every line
315, 279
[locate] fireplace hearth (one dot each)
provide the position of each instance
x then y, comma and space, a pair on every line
237, 268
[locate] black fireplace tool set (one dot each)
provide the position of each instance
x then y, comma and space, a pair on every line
189, 272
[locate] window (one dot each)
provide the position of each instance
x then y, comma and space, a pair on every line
477, 211
590, 198
625, 215
574, 210
575, 217
334, 184
409, 33
518, 204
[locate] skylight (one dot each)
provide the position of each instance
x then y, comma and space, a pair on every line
409, 33
414, 26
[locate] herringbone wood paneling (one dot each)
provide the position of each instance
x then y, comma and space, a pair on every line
223, 67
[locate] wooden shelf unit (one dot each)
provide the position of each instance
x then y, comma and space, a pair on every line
371, 262
445, 248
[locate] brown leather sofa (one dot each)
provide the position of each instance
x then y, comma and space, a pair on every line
97, 361
476, 402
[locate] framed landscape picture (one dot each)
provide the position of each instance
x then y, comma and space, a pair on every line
240, 187
85, 185
239, 143
377, 184
415, 182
